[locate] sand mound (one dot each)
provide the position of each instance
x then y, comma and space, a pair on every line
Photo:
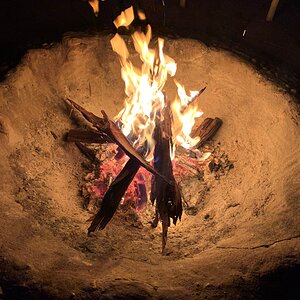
248, 224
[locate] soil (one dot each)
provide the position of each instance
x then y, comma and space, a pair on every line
242, 242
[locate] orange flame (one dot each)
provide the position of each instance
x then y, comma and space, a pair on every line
144, 90
95, 5
125, 18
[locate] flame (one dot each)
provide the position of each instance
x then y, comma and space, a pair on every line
141, 15
184, 98
95, 5
186, 116
187, 121
145, 98
125, 18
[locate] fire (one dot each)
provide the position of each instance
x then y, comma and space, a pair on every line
144, 89
125, 18
187, 121
95, 5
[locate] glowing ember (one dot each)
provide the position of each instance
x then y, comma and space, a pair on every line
109, 169
112, 160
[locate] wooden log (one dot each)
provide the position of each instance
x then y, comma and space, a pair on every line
167, 197
207, 129
87, 115
193, 100
87, 136
198, 131
114, 194
108, 127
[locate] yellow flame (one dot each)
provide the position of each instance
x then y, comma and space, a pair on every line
184, 98
125, 18
119, 46
144, 93
95, 5
187, 121
141, 15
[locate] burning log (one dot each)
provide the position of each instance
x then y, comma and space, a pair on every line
87, 136
207, 129
109, 128
165, 191
167, 197
114, 194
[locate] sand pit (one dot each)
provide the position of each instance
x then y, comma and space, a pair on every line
247, 226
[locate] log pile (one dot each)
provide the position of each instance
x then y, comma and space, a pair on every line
165, 192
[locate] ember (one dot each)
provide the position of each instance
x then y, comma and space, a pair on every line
145, 131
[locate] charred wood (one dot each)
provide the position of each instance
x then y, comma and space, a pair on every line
108, 127
207, 129
114, 194
87, 136
193, 99
167, 197
87, 115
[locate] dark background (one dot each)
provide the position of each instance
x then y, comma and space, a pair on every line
31, 23
272, 46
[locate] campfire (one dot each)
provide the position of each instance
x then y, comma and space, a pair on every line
152, 132
239, 190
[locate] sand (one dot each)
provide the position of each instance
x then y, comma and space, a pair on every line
247, 226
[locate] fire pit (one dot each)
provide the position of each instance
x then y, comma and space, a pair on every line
244, 223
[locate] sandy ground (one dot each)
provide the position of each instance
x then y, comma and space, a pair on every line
248, 224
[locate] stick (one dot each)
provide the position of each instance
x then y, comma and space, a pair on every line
272, 10
108, 127
206, 130
193, 100
87, 136
87, 115
167, 197
114, 195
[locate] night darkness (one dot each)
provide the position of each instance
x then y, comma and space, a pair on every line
29, 24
